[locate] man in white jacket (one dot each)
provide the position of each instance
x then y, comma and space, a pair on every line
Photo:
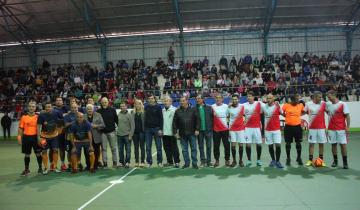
169, 140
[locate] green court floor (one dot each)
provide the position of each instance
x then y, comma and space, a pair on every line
168, 188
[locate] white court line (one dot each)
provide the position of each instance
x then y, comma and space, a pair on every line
114, 182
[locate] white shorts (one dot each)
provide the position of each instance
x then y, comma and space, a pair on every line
253, 135
273, 137
237, 136
337, 137
317, 136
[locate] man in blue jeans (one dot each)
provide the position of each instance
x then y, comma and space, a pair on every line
205, 134
186, 127
153, 126
125, 132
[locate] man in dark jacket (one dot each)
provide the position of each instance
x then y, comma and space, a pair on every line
108, 133
186, 127
205, 118
153, 128
6, 124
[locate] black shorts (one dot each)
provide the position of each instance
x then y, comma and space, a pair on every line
64, 143
292, 133
28, 143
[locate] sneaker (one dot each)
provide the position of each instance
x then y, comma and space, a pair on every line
299, 161
127, 165
142, 165
185, 166
258, 163
216, 164
120, 165
63, 167
195, 166
105, 166
233, 164
92, 170
80, 167
345, 166
227, 163
100, 164
202, 165
288, 161
25, 172
272, 163
56, 170
248, 163
308, 163
45, 171
241, 163
334, 164
323, 164
74, 171
114, 165
177, 165
40, 170
148, 165
279, 165
168, 165
160, 165
209, 165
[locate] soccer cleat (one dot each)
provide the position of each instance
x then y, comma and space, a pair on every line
334, 164
248, 164
288, 161
272, 163
299, 161
308, 163
45, 171
63, 167
241, 163
25, 172
258, 163
279, 165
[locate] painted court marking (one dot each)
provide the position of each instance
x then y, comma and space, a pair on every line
113, 183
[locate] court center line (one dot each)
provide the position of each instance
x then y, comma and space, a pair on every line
109, 187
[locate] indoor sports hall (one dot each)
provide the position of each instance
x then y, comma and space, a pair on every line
180, 104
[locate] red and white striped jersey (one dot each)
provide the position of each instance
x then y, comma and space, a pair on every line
337, 114
236, 118
316, 114
272, 116
253, 114
220, 117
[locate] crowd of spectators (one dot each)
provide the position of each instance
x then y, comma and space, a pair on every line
281, 74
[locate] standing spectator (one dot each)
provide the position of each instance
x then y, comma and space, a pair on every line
205, 132
108, 133
170, 144
139, 138
186, 127
171, 55
6, 124
125, 132
153, 126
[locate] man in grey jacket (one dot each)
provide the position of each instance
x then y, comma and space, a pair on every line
125, 132
186, 128
97, 123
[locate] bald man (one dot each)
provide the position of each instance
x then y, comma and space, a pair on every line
110, 118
